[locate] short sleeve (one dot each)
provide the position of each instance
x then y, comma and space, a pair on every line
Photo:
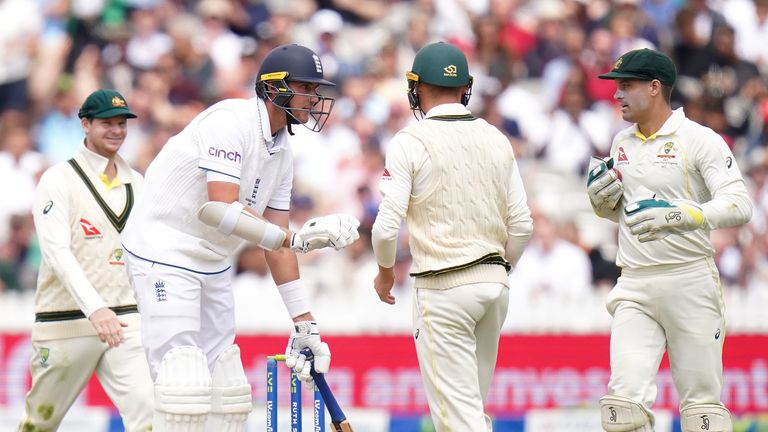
221, 141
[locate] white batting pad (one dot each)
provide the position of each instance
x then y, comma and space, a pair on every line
182, 391
231, 395
620, 414
706, 417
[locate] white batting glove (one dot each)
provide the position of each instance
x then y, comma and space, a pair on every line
306, 335
337, 231
604, 185
654, 219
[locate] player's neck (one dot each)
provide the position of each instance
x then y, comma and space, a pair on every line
277, 118
655, 120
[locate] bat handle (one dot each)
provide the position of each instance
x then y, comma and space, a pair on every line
337, 415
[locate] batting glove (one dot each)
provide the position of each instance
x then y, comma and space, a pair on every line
337, 231
654, 219
604, 185
306, 335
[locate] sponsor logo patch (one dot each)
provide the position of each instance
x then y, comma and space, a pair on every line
450, 71
89, 230
622, 156
223, 154
48, 207
385, 175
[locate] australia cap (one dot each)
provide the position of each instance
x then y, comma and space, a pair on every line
105, 103
643, 64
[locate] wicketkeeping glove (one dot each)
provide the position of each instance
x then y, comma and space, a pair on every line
306, 335
604, 185
337, 231
653, 219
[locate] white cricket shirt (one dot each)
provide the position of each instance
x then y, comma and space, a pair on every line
683, 160
230, 141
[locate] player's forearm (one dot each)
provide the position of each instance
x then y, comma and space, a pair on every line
71, 275
384, 242
283, 265
516, 244
727, 209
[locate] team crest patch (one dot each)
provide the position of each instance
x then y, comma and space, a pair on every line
44, 354
618, 63
160, 294
117, 102
89, 230
116, 257
667, 152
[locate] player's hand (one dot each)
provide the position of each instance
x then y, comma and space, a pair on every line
337, 231
383, 284
108, 327
306, 335
654, 218
604, 185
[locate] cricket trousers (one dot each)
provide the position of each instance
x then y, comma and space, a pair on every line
456, 333
677, 308
61, 368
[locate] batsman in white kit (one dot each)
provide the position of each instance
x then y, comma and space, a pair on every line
86, 319
224, 180
668, 182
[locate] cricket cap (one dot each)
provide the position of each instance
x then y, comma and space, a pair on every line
643, 64
105, 103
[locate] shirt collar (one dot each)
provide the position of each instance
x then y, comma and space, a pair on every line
98, 163
669, 127
273, 144
448, 109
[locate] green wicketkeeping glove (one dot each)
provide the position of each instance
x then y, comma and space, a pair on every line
654, 218
604, 185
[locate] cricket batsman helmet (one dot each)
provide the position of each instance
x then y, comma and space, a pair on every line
294, 63
438, 64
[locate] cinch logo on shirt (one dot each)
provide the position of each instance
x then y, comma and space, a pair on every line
228, 155
89, 230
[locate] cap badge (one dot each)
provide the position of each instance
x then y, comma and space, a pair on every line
117, 102
450, 70
618, 63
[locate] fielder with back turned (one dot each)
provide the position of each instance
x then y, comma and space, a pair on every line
669, 181
455, 179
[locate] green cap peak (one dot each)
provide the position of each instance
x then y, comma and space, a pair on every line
105, 103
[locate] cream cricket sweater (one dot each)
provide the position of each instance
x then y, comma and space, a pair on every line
457, 224
82, 268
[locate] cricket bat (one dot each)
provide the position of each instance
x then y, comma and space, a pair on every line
339, 421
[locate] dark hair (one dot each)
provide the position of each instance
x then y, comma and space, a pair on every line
666, 91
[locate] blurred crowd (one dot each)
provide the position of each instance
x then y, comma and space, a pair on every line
534, 62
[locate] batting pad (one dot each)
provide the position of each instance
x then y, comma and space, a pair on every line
182, 391
231, 394
620, 414
706, 417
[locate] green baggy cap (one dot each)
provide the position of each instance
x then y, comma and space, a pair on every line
643, 64
105, 103
440, 64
